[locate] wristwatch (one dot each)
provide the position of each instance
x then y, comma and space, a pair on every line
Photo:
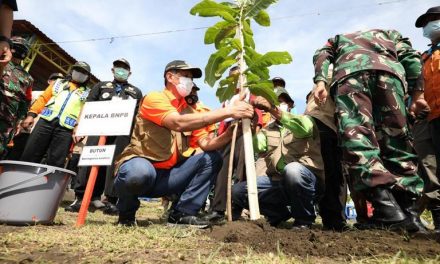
6, 39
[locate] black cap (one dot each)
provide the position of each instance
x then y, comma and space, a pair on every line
55, 76
423, 19
182, 65
123, 61
280, 80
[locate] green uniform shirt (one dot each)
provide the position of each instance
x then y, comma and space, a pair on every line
375, 49
300, 125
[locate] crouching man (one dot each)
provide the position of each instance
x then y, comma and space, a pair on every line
289, 166
156, 163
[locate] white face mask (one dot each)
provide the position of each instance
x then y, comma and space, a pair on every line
284, 107
432, 30
184, 86
79, 77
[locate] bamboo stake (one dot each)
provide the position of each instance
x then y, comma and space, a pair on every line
230, 170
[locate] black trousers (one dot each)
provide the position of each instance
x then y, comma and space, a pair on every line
106, 174
332, 204
51, 138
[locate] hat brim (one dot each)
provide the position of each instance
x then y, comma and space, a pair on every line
196, 72
422, 20
287, 97
122, 62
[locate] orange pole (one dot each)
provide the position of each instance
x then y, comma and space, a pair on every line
89, 190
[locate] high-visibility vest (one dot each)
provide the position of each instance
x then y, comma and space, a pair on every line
65, 104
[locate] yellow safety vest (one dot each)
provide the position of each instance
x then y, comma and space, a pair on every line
65, 104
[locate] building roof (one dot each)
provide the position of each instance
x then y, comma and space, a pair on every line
40, 68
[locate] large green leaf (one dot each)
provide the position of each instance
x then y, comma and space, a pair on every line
213, 63
271, 58
262, 18
252, 78
228, 62
247, 27
225, 34
264, 89
212, 32
256, 6
248, 40
248, 35
227, 88
236, 44
252, 53
263, 73
209, 8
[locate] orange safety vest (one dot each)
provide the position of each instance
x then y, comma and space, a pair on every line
431, 76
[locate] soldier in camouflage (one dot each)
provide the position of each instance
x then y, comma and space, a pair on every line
15, 93
372, 71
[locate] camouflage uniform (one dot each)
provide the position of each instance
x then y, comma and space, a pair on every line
15, 98
372, 71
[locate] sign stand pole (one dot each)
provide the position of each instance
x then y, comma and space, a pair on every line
89, 190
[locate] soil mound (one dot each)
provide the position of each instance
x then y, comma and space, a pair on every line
261, 237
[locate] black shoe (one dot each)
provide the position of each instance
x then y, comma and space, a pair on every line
177, 218
436, 219
110, 209
386, 210
215, 217
407, 202
338, 227
127, 220
301, 225
74, 207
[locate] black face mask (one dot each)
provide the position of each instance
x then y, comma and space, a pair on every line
191, 99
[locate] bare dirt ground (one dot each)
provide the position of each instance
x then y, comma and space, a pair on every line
101, 241
344, 246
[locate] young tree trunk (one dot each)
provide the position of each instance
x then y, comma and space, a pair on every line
251, 176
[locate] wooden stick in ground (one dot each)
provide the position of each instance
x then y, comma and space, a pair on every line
230, 170
251, 175
89, 190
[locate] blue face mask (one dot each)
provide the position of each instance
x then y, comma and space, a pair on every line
432, 30
120, 74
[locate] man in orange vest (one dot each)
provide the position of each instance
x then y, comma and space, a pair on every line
156, 162
430, 22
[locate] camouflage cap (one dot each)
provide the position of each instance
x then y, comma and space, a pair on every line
20, 46
182, 65
82, 65
17, 40
281, 91
123, 61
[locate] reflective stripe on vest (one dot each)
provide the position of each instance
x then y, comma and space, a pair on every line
65, 104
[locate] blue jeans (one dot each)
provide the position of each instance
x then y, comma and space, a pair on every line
280, 200
191, 179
